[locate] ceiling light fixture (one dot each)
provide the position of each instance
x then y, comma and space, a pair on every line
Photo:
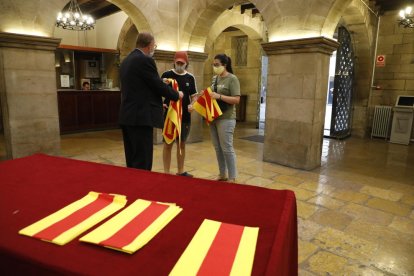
73, 19
407, 18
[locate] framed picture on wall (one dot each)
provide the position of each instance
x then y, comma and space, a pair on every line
64, 81
91, 69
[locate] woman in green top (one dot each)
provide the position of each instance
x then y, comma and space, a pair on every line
226, 88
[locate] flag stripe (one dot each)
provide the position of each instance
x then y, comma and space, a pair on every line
136, 226
112, 226
88, 223
219, 259
137, 237
218, 249
193, 256
58, 215
153, 229
243, 262
75, 218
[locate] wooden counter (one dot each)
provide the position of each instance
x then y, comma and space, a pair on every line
88, 110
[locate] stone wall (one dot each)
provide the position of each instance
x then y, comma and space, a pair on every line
397, 76
28, 95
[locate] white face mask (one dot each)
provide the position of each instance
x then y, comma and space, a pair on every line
218, 70
180, 68
152, 51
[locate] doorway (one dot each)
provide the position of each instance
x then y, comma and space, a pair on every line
329, 96
339, 95
261, 104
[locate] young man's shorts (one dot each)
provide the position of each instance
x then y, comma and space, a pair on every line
185, 130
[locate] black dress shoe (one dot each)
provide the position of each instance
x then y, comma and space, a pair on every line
185, 174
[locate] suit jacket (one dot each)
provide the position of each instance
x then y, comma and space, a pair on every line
142, 90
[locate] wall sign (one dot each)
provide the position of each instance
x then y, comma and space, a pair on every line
91, 69
64, 81
380, 62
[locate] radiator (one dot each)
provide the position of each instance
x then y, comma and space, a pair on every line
381, 122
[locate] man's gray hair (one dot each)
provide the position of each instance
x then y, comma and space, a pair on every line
144, 40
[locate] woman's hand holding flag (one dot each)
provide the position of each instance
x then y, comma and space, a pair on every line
207, 106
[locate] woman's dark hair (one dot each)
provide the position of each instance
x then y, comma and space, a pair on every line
226, 61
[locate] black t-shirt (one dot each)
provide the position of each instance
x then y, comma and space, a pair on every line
186, 84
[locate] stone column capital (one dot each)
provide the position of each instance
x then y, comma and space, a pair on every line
168, 56
197, 56
163, 55
303, 45
11, 40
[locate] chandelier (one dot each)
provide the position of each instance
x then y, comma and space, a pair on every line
73, 19
407, 18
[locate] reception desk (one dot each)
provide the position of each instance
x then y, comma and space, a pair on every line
36, 186
88, 110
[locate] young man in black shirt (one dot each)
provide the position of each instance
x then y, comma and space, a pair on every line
186, 84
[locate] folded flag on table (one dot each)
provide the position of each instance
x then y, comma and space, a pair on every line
69, 222
172, 123
134, 227
207, 107
218, 249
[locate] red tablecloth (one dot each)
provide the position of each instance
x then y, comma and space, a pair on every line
36, 186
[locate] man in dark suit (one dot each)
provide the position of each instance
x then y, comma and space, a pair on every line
141, 105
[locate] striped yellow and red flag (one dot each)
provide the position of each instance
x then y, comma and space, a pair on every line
69, 222
172, 123
218, 249
207, 107
134, 227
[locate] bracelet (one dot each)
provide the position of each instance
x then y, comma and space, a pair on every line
220, 97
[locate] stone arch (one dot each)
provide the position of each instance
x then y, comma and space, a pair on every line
333, 17
288, 20
38, 17
194, 33
249, 74
134, 13
127, 38
284, 19
31, 17
253, 27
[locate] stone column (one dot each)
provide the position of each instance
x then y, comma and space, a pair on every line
165, 61
295, 101
28, 94
196, 67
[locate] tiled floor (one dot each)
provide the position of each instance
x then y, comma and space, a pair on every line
355, 212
